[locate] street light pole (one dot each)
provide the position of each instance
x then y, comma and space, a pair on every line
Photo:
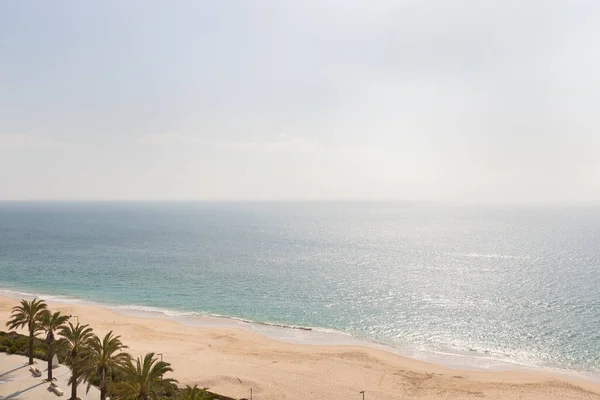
363, 393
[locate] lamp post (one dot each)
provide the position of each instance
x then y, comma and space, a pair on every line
363, 393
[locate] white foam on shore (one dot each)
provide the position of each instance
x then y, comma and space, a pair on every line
315, 336
15, 294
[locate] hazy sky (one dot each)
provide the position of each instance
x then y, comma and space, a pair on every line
462, 100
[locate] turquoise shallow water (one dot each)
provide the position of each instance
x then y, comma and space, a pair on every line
518, 284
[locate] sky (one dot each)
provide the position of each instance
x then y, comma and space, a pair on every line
473, 101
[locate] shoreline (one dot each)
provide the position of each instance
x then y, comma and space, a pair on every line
222, 357
302, 335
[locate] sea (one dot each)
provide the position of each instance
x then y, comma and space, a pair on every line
474, 286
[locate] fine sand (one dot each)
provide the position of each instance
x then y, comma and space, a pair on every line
231, 361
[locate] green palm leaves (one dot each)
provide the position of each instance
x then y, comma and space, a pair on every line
76, 340
193, 393
51, 323
103, 359
143, 380
101, 362
28, 314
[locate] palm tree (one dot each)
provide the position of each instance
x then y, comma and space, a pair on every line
76, 339
28, 313
192, 393
50, 323
101, 360
144, 379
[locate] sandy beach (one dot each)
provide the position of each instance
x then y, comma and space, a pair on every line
231, 361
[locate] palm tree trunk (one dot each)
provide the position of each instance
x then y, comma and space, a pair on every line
74, 388
103, 385
30, 348
49, 354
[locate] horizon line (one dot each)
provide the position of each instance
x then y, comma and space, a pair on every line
348, 201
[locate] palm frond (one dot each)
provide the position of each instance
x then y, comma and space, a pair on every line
144, 379
27, 313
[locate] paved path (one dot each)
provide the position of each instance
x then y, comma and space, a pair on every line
17, 383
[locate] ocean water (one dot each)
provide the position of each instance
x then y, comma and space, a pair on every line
520, 285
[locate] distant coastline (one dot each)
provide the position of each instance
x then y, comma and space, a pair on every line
474, 287
307, 336
241, 358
